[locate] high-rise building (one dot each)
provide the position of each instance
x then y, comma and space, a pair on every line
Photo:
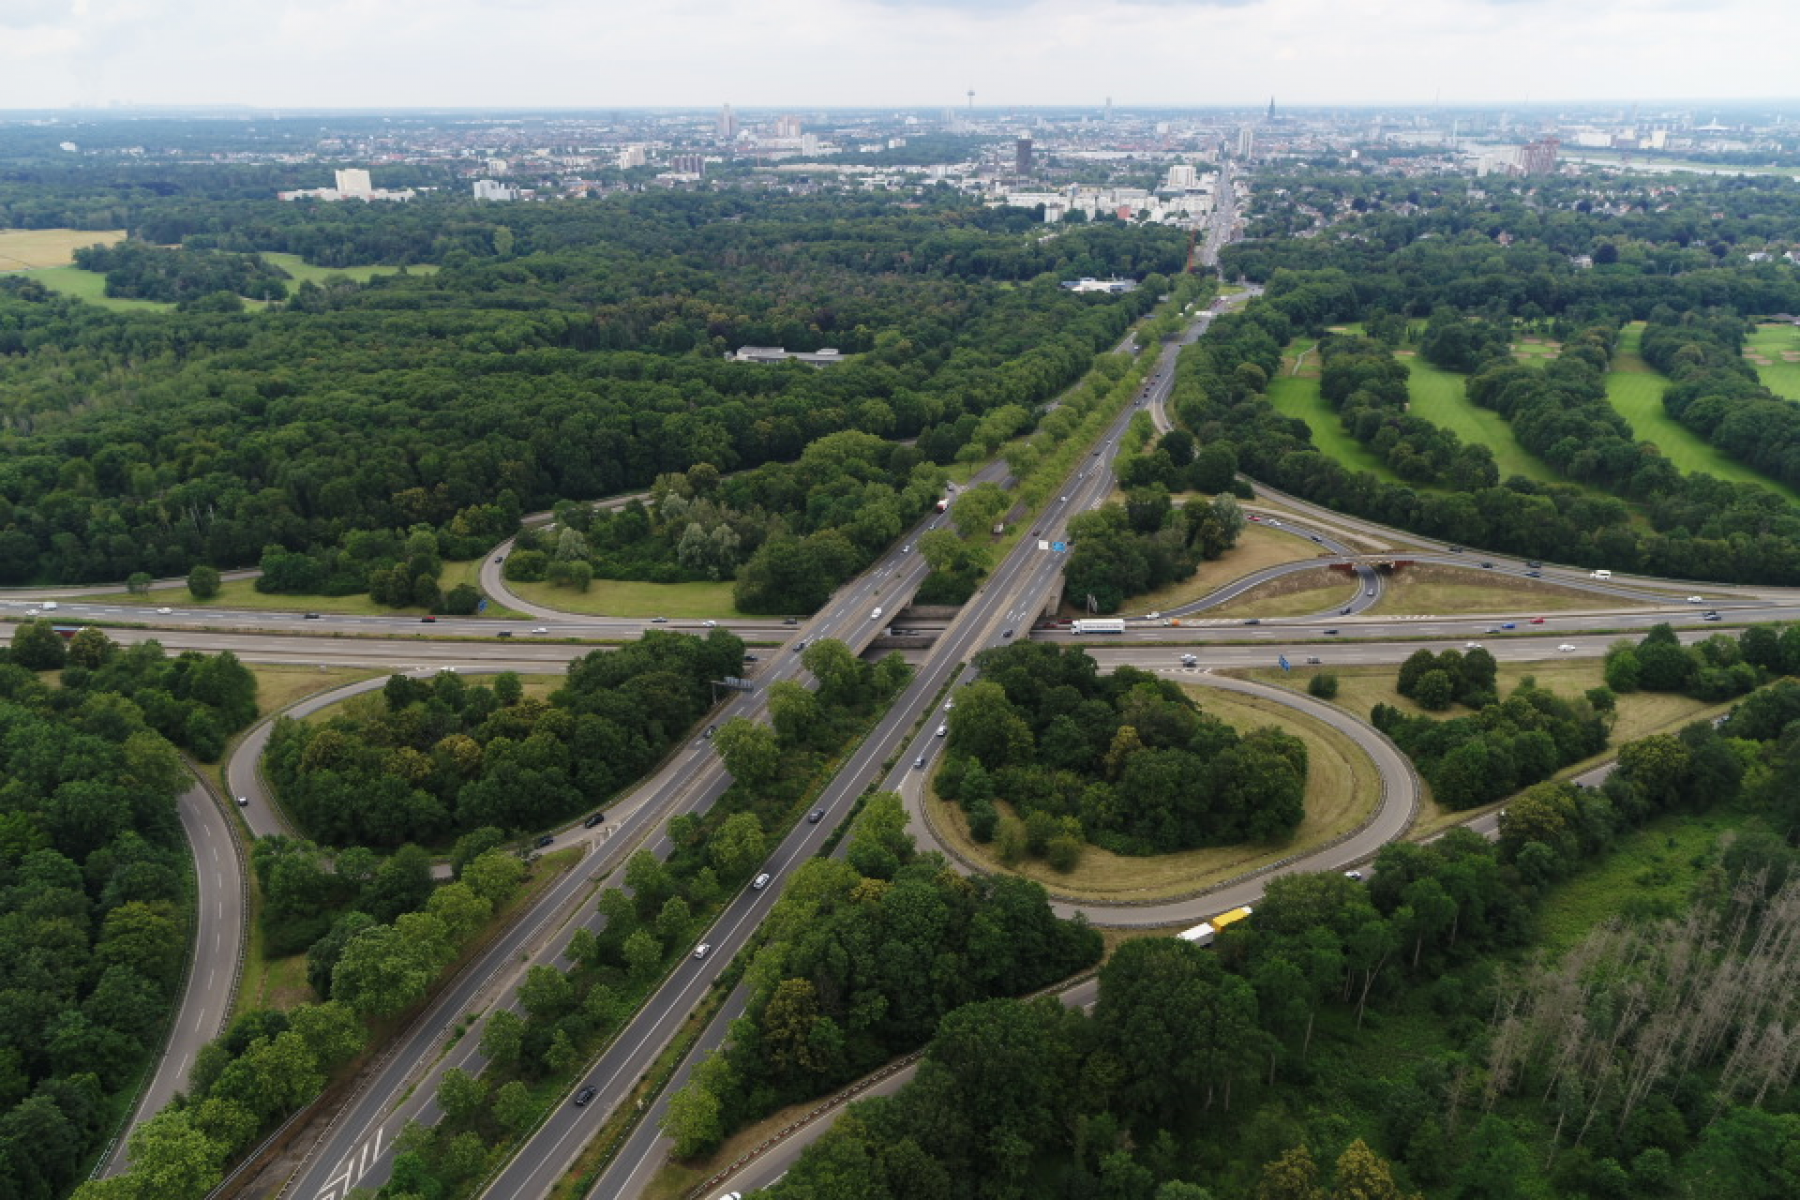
787, 127
1539, 157
728, 125
354, 183
1182, 177
1022, 156
687, 164
1108, 117
1246, 142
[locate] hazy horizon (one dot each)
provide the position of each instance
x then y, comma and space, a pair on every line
387, 55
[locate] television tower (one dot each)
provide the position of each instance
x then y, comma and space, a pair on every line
971, 99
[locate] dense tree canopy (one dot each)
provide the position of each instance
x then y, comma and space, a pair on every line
1125, 760
444, 756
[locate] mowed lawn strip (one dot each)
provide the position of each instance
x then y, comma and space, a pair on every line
1298, 396
1637, 391
1440, 397
88, 286
33, 249
1342, 788
303, 271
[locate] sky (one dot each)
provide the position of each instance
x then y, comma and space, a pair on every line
888, 53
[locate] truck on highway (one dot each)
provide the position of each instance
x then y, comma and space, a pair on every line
1099, 625
943, 506
1204, 933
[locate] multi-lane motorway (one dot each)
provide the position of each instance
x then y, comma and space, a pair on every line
355, 1151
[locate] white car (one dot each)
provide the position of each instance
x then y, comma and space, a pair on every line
540, 629
710, 624
702, 950
1471, 645
163, 612
1153, 616
1565, 648
1695, 600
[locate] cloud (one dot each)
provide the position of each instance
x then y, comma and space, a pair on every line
998, 8
26, 14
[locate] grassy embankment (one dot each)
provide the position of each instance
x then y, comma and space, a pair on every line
1361, 688
1342, 787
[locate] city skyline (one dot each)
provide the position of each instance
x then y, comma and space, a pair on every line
882, 53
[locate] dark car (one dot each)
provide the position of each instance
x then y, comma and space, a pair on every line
815, 816
1254, 621
1487, 566
585, 1094
1456, 549
711, 729
500, 558
1709, 615
751, 658
593, 820
790, 620
1344, 611
1534, 574
1007, 634
428, 620
504, 633
1331, 633
311, 617
1315, 537
545, 840
1534, 563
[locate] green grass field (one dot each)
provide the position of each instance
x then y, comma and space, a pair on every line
86, 285
303, 271
1780, 375
1438, 396
1298, 396
1636, 391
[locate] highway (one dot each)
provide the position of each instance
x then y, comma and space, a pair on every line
220, 912
355, 1151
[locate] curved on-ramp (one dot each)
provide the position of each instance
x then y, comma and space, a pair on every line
216, 966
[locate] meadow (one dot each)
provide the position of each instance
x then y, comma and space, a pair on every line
1439, 396
1636, 391
1774, 350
